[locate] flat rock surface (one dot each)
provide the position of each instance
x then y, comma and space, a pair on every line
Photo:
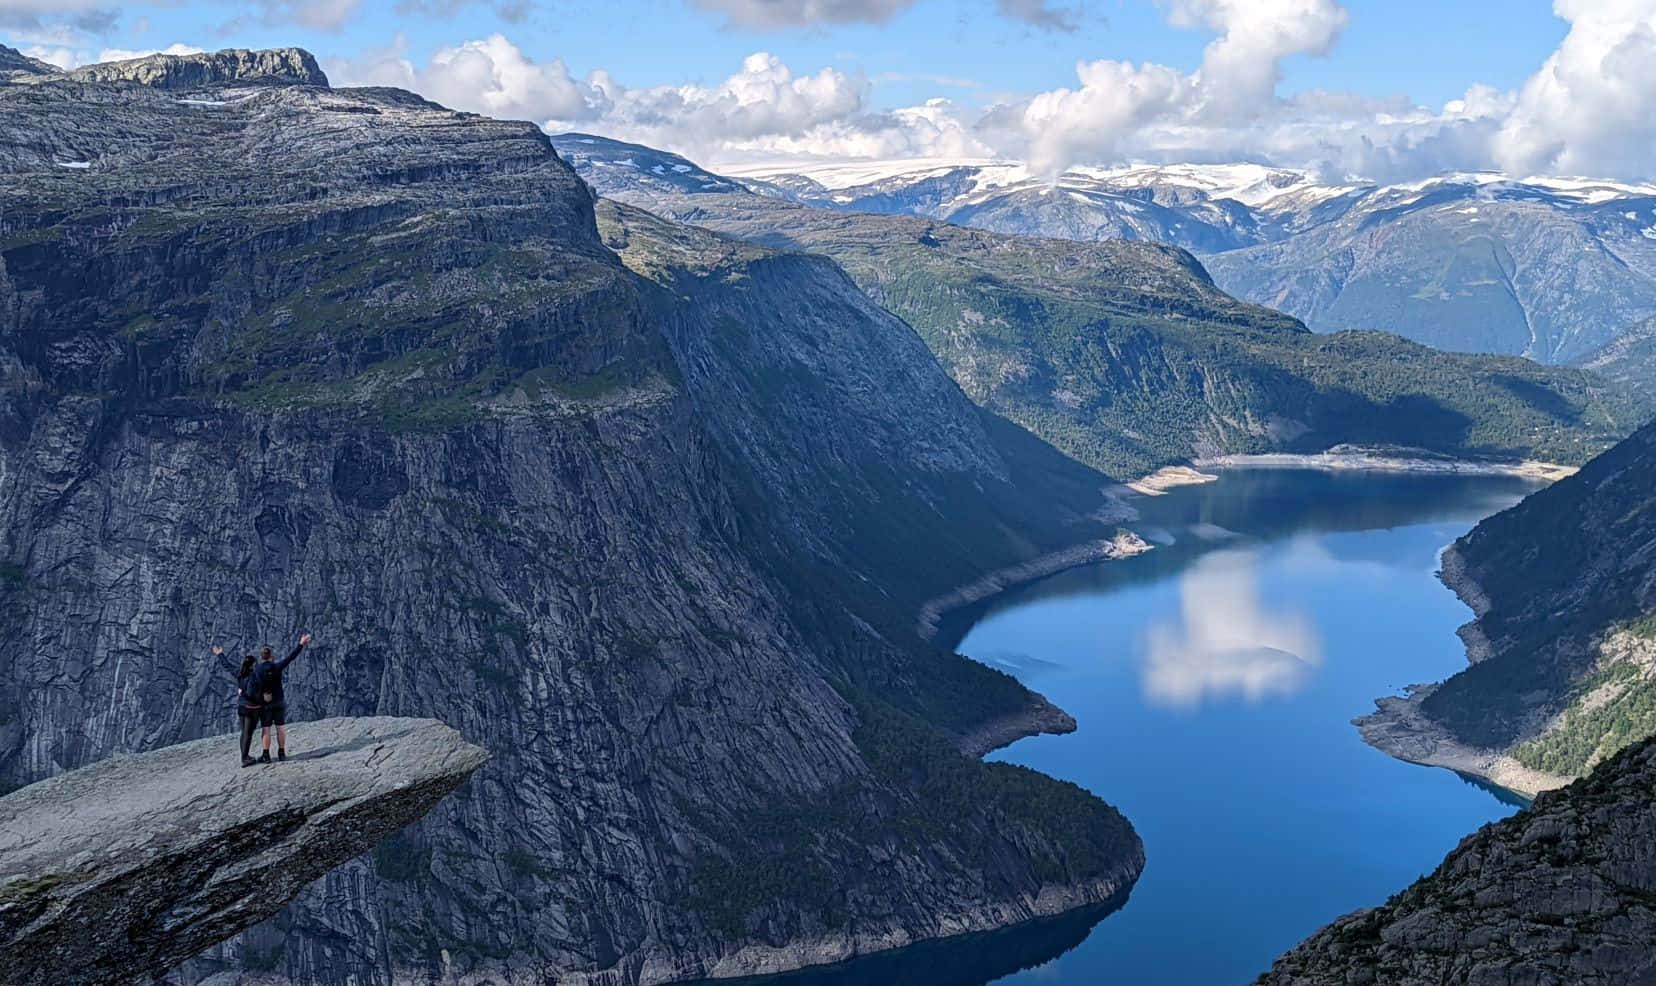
120, 870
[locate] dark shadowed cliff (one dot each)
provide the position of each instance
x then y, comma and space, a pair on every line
1561, 894
281, 357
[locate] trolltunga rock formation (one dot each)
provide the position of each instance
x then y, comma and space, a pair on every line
118, 871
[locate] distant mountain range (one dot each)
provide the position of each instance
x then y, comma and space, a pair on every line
1125, 355
1628, 359
1549, 268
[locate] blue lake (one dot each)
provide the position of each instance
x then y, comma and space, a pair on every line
1213, 680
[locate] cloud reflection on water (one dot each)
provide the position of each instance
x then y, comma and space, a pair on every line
1225, 642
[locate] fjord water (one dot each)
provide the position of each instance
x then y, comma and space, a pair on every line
1213, 680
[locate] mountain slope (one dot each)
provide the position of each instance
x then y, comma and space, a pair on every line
14, 63
1545, 268
1563, 589
1469, 265
1630, 359
1126, 355
390, 385
1559, 894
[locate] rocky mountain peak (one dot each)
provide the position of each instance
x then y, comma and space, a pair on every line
273, 66
14, 62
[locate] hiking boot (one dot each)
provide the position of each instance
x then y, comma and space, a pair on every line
264, 757
281, 753
248, 761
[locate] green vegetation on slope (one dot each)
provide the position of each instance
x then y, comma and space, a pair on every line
1018, 818
1563, 571
1126, 356
1590, 731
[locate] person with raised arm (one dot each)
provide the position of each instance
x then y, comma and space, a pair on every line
267, 686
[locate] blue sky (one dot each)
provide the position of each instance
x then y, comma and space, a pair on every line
1354, 85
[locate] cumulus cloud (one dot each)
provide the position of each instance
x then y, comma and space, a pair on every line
1225, 641
72, 58
490, 76
763, 104
1118, 102
1585, 111
1590, 108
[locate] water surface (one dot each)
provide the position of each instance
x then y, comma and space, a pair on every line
1213, 680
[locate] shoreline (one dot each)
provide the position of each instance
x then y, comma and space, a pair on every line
1341, 459
1125, 544
1040, 717
826, 950
1399, 729
1162, 481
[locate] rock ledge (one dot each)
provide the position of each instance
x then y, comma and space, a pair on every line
119, 871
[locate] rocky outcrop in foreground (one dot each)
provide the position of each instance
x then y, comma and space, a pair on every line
121, 870
1561, 894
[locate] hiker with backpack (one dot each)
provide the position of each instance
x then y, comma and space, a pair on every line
267, 688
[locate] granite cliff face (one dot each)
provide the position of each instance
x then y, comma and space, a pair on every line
121, 870
1561, 894
281, 357
1563, 673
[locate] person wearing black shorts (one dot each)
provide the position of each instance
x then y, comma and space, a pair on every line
267, 688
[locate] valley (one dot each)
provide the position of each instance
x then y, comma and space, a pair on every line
826, 571
1128, 357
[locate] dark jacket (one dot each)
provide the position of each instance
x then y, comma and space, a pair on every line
267, 679
244, 682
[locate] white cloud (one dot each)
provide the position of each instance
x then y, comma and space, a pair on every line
320, 15
1590, 109
764, 104
1242, 67
1226, 642
1237, 81
1586, 111
72, 58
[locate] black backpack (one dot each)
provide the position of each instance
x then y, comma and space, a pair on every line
261, 684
